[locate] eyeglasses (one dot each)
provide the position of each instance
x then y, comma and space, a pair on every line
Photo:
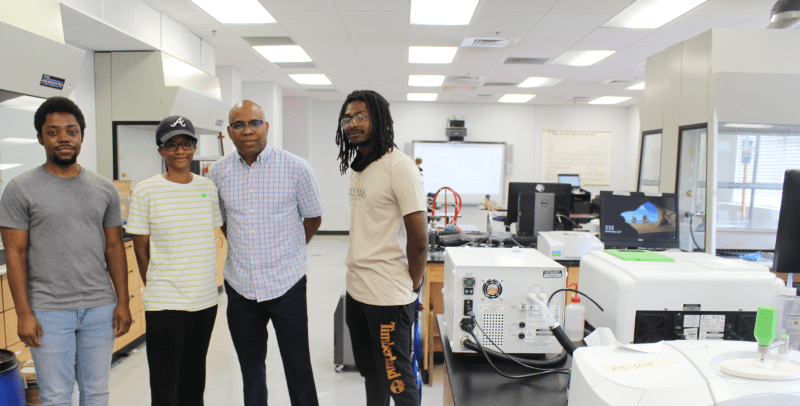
359, 120
239, 125
173, 146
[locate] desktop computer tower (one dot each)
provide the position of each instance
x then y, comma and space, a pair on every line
342, 347
536, 212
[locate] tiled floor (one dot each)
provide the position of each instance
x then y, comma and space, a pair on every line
326, 281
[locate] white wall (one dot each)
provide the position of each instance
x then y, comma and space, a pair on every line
296, 124
84, 98
137, 153
518, 125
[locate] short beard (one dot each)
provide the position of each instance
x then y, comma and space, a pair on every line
65, 162
364, 143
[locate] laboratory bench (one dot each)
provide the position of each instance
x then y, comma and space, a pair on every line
470, 381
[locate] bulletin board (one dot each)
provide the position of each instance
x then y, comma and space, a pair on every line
587, 153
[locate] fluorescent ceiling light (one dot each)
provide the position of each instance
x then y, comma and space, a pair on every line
236, 11
422, 96
311, 79
12, 140
534, 81
8, 166
516, 98
638, 86
752, 126
28, 103
425, 80
442, 12
651, 13
283, 53
431, 54
581, 58
609, 100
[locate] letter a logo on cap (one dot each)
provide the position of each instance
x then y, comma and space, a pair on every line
178, 121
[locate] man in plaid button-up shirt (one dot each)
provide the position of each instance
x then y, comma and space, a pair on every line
270, 204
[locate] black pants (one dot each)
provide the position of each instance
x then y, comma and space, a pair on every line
247, 320
382, 346
177, 344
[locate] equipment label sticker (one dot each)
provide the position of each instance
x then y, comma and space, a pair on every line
691, 320
553, 273
712, 323
633, 366
537, 344
690, 333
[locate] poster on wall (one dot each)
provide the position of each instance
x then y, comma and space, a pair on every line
587, 153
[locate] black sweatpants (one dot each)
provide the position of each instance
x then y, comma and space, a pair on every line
382, 346
177, 345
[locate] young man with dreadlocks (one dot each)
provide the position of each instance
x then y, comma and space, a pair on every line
388, 248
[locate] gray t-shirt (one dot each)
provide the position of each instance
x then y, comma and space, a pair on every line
65, 219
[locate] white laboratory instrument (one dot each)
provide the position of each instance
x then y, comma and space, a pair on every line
686, 373
697, 296
494, 284
567, 245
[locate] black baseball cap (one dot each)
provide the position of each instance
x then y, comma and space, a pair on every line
172, 126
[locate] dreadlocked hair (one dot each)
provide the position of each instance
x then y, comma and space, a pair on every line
381, 140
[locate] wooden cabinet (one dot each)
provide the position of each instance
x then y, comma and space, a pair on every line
434, 304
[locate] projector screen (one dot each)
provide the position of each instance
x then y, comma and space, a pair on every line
472, 169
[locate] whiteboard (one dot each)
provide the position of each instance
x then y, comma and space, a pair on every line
587, 153
472, 169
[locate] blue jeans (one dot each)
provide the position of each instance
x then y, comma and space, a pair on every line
76, 344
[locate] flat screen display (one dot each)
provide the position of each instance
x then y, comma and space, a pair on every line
574, 180
639, 221
562, 192
787, 246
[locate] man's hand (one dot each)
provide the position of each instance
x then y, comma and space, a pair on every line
29, 330
122, 320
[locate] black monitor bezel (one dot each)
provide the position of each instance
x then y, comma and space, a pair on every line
787, 239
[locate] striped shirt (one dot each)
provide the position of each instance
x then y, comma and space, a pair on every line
264, 206
180, 219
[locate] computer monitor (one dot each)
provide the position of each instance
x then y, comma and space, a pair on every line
787, 245
639, 221
562, 191
572, 179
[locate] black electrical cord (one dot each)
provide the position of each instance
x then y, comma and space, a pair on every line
501, 373
569, 219
691, 231
576, 291
528, 363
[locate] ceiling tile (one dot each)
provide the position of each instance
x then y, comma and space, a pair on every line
559, 33
760, 21
733, 8
507, 19
257, 30
572, 20
316, 30
512, 33
605, 7
373, 5
514, 6
378, 30
305, 5
611, 39
307, 17
373, 18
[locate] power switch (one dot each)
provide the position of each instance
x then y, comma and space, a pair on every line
467, 307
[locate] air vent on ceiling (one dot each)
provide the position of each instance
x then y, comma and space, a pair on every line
485, 42
526, 61
483, 95
459, 88
581, 98
287, 65
615, 82
499, 84
323, 90
262, 41
464, 79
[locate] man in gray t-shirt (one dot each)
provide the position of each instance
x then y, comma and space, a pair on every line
60, 226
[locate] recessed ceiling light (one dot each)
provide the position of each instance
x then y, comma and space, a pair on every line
425, 80
442, 12
609, 100
651, 13
8, 166
311, 79
422, 96
581, 58
283, 53
29, 103
236, 11
516, 98
534, 81
12, 140
431, 54
752, 126
638, 86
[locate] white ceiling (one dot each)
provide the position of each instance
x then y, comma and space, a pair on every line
363, 44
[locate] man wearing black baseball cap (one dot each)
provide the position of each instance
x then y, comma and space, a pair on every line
178, 266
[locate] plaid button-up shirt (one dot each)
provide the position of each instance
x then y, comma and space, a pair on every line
263, 207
